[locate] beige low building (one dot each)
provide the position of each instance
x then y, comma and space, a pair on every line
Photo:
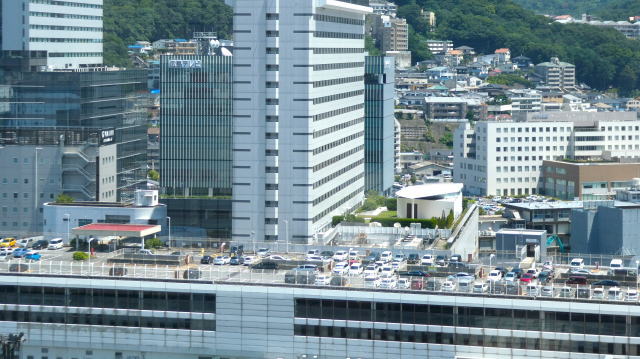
587, 180
430, 200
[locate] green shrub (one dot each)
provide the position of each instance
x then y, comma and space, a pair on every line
391, 204
404, 222
80, 256
153, 243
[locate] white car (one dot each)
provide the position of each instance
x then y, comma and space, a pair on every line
386, 256
533, 272
547, 291
278, 258
340, 256
598, 293
221, 260
547, 265
371, 270
371, 282
353, 255
355, 269
387, 271
533, 290
24, 242
341, 268
616, 263
263, 252
632, 295
323, 279
6, 251
495, 275
615, 293
312, 252
510, 277
388, 283
576, 263
55, 243
480, 287
427, 260
448, 286
403, 283
249, 260
313, 258
399, 257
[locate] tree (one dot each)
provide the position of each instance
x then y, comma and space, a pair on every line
391, 204
64, 198
450, 218
370, 46
153, 243
447, 139
153, 175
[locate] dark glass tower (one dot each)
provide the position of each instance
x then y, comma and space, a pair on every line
379, 123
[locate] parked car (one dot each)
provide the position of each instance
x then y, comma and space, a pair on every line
265, 265
441, 261
455, 258
312, 252
355, 269
567, 292
314, 258
533, 272
372, 257
632, 295
510, 277
25, 242
323, 279
118, 271
615, 293
533, 290
448, 286
427, 260
353, 255
580, 271
41, 244
576, 263
387, 271
399, 257
147, 252
20, 252
371, 270
495, 275
7, 242
502, 270
547, 291
326, 255
19, 267
547, 265
413, 258
278, 258
206, 260
249, 260
263, 252
480, 287
414, 273
33, 256
386, 256
236, 261
388, 283
340, 256
606, 283
616, 264
339, 281
341, 268
527, 278
518, 271
576, 280
221, 260
192, 273
545, 276
597, 293
371, 282
55, 243
403, 283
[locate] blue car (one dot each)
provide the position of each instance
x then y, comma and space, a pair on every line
20, 252
33, 256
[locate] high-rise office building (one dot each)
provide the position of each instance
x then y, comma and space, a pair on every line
298, 116
379, 123
78, 133
70, 31
196, 154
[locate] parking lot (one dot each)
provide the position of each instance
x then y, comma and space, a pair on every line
380, 271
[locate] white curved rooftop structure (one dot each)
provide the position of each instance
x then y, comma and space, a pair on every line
429, 190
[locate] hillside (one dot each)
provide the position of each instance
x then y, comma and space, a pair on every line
604, 58
563, 7
619, 10
126, 21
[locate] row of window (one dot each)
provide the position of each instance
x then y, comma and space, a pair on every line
337, 35
533, 148
337, 189
337, 127
337, 19
477, 317
106, 320
334, 50
109, 298
75, 54
337, 158
337, 97
577, 346
328, 146
65, 40
66, 3
338, 66
340, 111
337, 205
338, 173
65, 28
340, 81
65, 16
565, 129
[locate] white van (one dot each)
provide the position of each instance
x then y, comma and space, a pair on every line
56, 243
577, 263
615, 263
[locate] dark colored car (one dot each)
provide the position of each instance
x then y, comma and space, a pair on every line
606, 283
19, 267
41, 244
265, 265
576, 279
192, 274
518, 271
455, 258
458, 266
326, 254
338, 281
545, 276
206, 260
413, 258
414, 273
372, 257
441, 260
236, 261
118, 271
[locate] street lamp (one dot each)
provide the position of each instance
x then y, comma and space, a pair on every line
67, 217
253, 239
490, 258
169, 228
286, 234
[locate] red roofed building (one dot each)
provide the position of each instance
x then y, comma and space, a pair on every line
503, 56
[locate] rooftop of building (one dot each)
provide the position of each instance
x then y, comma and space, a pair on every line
569, 205
601, 162
532, 232
429, 190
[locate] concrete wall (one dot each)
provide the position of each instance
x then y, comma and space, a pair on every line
431, 208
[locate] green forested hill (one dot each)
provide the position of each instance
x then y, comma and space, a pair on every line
563, 7
126, 21
619, 9
604, 58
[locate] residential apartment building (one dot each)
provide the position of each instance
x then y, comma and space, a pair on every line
89, 140
453, 108
392, 33
439, 46
525, 100
69, 31
557, 74
298, 134
379, 123
383, 8
506, 158
196, 153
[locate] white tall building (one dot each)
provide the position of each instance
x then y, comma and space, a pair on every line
298, 132
505, 158
70, 31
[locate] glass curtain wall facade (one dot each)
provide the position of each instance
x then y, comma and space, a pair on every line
196, 101
379, 123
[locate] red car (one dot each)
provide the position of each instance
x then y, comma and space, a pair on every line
527, 278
